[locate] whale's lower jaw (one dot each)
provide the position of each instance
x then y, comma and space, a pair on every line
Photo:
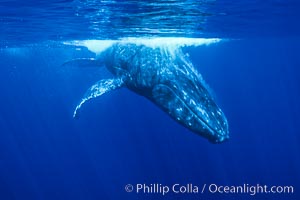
198, 126
202, 128
213, 127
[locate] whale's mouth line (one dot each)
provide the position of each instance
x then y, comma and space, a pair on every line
199, 118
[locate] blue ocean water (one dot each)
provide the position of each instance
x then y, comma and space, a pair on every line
122, 138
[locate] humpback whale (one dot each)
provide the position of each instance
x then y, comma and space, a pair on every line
166, 77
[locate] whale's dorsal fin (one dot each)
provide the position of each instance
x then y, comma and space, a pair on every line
84, 62
98, 89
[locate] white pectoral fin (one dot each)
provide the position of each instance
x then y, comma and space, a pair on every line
83, 62
99, 88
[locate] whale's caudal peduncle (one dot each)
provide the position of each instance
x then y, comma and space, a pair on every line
166, 77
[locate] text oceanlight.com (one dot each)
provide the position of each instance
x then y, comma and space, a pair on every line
189, 188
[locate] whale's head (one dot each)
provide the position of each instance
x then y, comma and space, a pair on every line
189, 102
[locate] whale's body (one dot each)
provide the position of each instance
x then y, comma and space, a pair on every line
166, 77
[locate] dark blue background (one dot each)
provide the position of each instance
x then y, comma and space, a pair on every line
123, 138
